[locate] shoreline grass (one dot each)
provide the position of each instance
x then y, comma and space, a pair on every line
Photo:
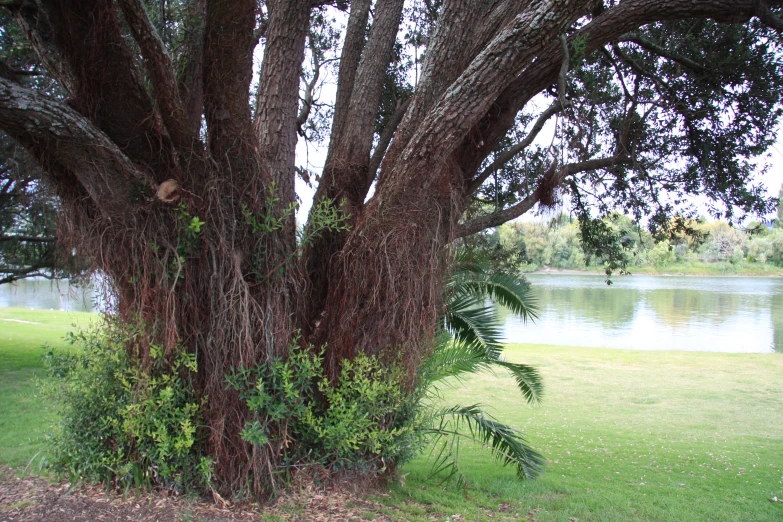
630, 435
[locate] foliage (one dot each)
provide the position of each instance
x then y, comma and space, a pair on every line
469, 344
363, 422
556, 244
122, 423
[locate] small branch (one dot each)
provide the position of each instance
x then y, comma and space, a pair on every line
29, 239
508, 155
498, 218
561, 80
308, 101
651, 46
17, 274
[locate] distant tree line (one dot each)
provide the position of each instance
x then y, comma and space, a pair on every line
557, 243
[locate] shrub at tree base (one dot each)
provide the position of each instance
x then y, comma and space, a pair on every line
123, 423
129, 427
365, 423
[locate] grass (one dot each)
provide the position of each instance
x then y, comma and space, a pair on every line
630, 435
23, 419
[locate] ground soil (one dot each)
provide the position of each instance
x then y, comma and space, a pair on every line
34, 499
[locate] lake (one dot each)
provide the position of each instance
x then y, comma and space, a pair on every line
47, 295
717, 314
720, 314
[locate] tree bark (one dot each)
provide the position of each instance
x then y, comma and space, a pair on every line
235, 292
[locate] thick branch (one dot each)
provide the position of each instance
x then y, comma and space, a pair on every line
349, 60
62, 139
35, 23
611, 24
346, 170
190, 80
278, 99
161, 70
228, 69
513, 212
81, 43
509, 154
767, 17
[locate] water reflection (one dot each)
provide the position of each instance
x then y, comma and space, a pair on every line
47, 295
776, 315
656, 313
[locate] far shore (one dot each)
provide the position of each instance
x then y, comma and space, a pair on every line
648, 272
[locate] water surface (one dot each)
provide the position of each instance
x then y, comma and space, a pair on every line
42, 294
719, 314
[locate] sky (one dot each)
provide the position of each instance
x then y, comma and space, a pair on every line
312, 156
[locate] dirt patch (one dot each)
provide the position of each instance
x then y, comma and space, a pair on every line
34, 499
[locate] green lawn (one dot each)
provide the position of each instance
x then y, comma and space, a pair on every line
630, 435
23, 417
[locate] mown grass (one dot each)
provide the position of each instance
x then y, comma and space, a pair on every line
630, 435
24, 334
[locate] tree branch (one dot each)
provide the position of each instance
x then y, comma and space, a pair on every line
498, 218
349, 61
62, 139
611, 23
278, 100
18, 274
190, 81
509, 154
308, 99
161, 70
654, 48
228, 69
28, 239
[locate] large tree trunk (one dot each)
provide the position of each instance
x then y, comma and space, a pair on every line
135, 164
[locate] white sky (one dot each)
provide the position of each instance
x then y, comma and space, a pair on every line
312, 156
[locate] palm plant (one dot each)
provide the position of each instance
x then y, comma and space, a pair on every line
469, 343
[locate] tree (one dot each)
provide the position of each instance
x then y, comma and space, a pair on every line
780, 207
27, 207
175, 171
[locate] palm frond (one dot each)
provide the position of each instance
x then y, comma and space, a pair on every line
453, 358
528, 379
471, 423
509, 290
468, 319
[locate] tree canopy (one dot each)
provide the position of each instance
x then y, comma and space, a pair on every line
173, 157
